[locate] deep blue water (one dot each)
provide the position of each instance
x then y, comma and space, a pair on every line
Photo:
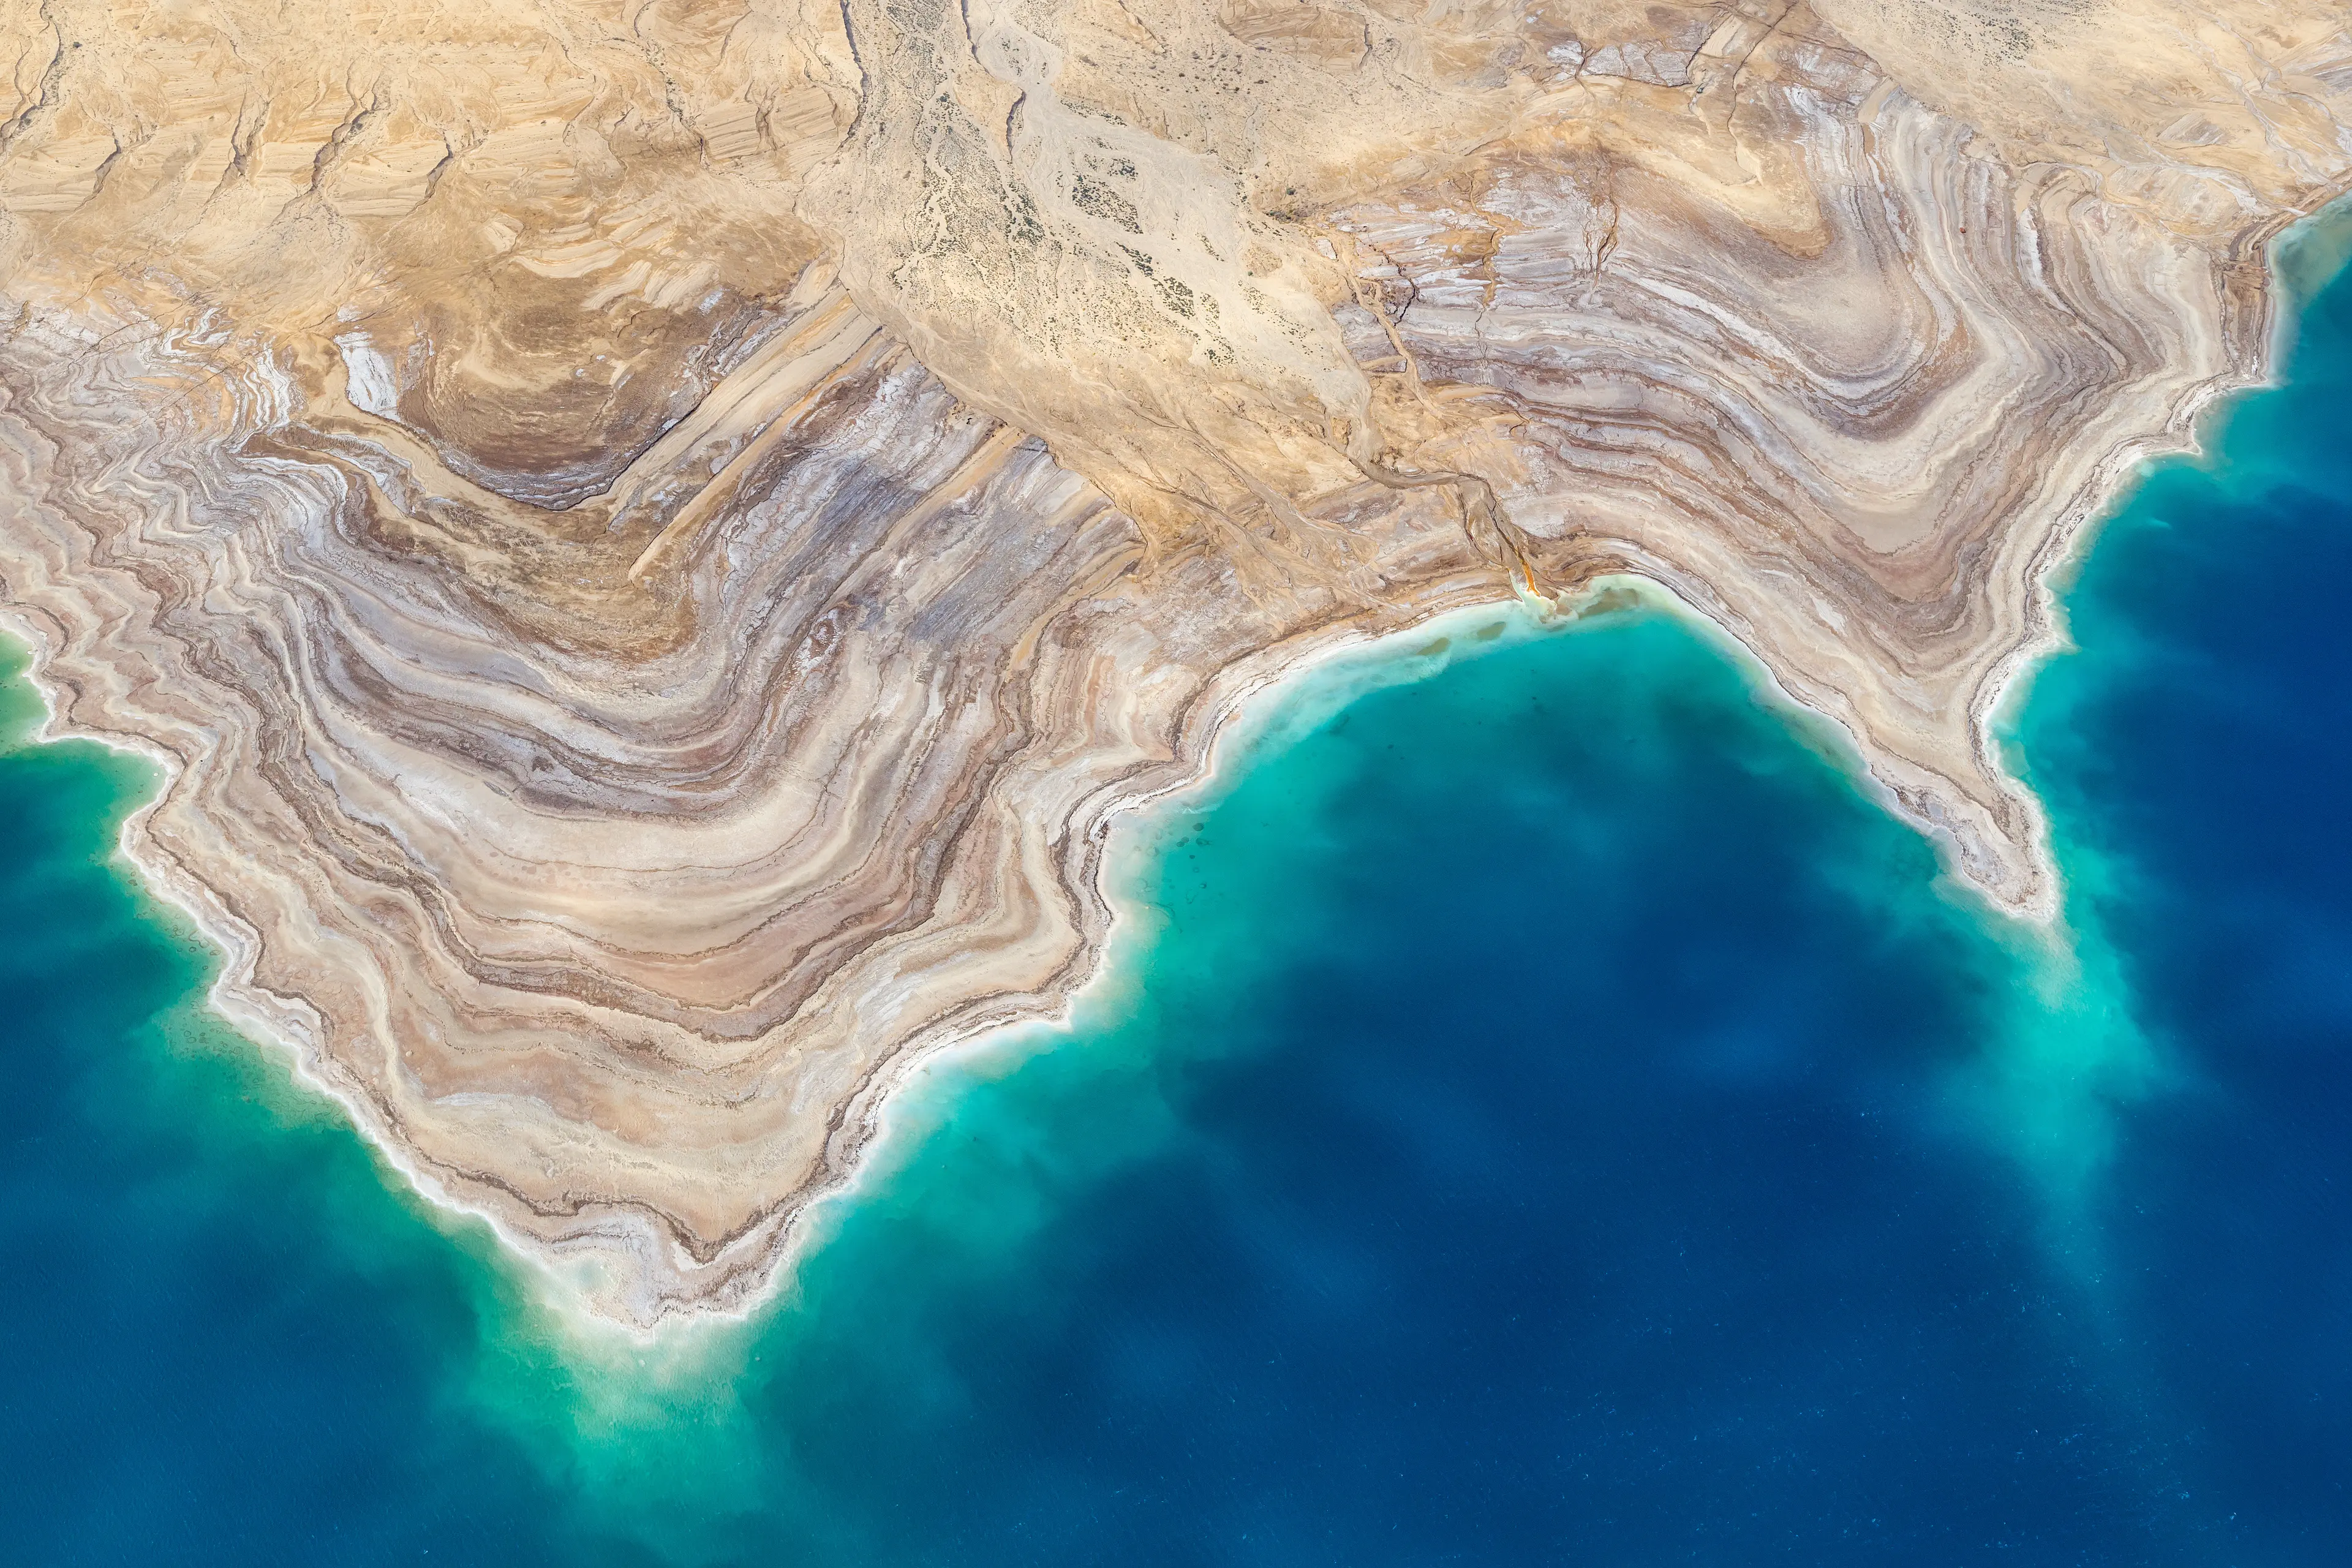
1542, 1112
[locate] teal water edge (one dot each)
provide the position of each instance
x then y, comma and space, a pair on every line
1537, 1109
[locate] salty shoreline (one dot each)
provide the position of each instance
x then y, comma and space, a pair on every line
1255, 697
1554, 1060
1239, 711
623, 703
1241, 716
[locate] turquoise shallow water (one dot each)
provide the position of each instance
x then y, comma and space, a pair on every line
1541, 1111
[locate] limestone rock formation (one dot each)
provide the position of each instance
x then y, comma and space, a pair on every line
653, 535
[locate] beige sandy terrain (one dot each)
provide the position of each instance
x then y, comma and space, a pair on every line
652, 538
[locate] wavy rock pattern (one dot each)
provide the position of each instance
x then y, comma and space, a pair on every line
653, 539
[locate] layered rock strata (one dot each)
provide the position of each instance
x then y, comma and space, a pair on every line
652, 540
